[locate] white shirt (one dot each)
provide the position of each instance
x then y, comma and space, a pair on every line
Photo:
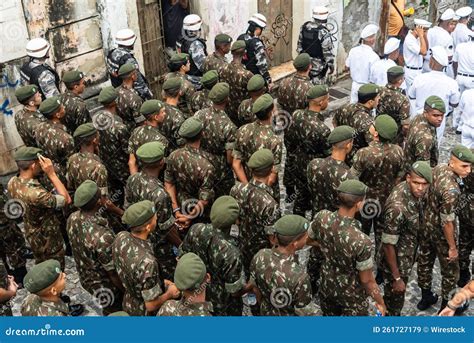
438, 36
466, 107
360, 61
460, 34
411, 51
464, 56
378, 72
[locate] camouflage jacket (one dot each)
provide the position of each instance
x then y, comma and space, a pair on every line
237, 77
244, 113
5, 307
145, 134
292, 93
188, 89
84, 166
466, 203
421, 143
181, 308
128, 107
34, 306
76, 111
27, 123
325, 37
170, 126
200, 100
214, 62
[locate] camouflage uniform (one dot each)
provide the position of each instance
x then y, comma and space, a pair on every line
244, 113
214, 62
84, 166
285, 287
347, 250
181, 308
197, 53
466, 223
173, 120
402, 224
145, 134
5, 308
260, 64
76, 111
443, 200
421, 143
292, 93
394, 103
140, 187
223, 261
26, 124
200, 100
139, 272
48, 80
128, 107
188, 89
34, 306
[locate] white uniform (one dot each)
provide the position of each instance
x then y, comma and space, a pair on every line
464, 56
360, 61
378, 72
439, 36
460, 34
412, 57
434, 83
466, 108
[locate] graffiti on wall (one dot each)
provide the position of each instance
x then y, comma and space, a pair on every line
280, 30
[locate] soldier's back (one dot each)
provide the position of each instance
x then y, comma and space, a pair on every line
182, 308
27, 123
421, 142
145, 134
292, 92
85, 166
76, 111
34, 306
128, 106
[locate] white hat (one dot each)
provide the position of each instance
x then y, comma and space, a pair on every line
320, 12
391, 45
448, 14
440, 54
258, 19
37, 47
369, 30
192, 22
125, 37
464, 12
423, 23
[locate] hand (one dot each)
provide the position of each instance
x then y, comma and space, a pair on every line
183, 222
447, 312
330, 70
172, 290
12, 285
409, 12
398, 286
419, 31
46, 165
270, 86
382, 309
452, 254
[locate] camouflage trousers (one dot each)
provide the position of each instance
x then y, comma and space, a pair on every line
315, 262
466, 244
47, 245
377, 224
393, 301
12, 245
318, 72
296, 183
337, 307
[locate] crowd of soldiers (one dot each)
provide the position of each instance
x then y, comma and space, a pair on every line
172, 206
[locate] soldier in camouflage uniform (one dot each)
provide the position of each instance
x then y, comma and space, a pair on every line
216, 61
213, 244
128, 100
75, 107
421, 142
191, 279
235, 74
284, 286
466, 228
346, 277
316, 40
28, 118
402, 225
173, 116
137, 267
200, 99
256, 88
394, 103
439, 236
305, 139
292, 90
8, 288
179, 66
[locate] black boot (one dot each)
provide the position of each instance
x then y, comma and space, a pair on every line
19, 274
428, 299
464, 277
74, 309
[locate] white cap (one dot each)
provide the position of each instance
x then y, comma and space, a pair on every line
125, 37
369, 30
37, 47
423, 23
391, 45
440, 54
192, 22
259, 19
448, 14
464, 12
320, 12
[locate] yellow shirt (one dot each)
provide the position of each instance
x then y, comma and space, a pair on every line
395, 22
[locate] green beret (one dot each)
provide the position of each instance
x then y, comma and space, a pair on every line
396, 71
369, 89
72, 76
423, 169
190, 272
85, 130
126, 69
210, 78
190, 128
42, 275
107, 95
26, 92
179, 58
151, 152
341, 133
85, 193
386, 127
238, 44
302, 61
354, 187
219, 92
139, 213
50, 105
317, 91
151, 107
172, 83
435, 102
222, 38
463, 153
256, 83
27, 153
119, 314
262, 103
291, 225
261, 159
224, 212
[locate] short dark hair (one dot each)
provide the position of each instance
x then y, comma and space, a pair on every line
262, 172
265, 114
70, 85
85, 140
286, 240
349, 200
173, 93
194, 139
364, 98
24, 165
92, 203
342, 144
51, 114
140, 228
393, 78
176, 66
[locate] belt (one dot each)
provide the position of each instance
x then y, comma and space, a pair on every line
468, 75
413, 68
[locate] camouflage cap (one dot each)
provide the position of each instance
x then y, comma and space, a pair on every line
238, 44
151, 152
369, 89
291, 225
107, 95
72, 76
26, 92
341, 133
119, 314
262, 103
50, 105
85, 130
126, 69
256, 83
151, 107
179, 58
42, 275
224, 212
396, 71
354, 187
463, 153
219, 92
139, 213
302, 61
222, 38
317, 91
85, 193
190, 272
190, 128
210, 78
172, 83
435, 102
27, 153
423, 169
261, 159
386, 127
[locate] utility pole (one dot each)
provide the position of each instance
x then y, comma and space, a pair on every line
383, 24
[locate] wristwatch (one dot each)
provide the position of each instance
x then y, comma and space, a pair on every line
451, 307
